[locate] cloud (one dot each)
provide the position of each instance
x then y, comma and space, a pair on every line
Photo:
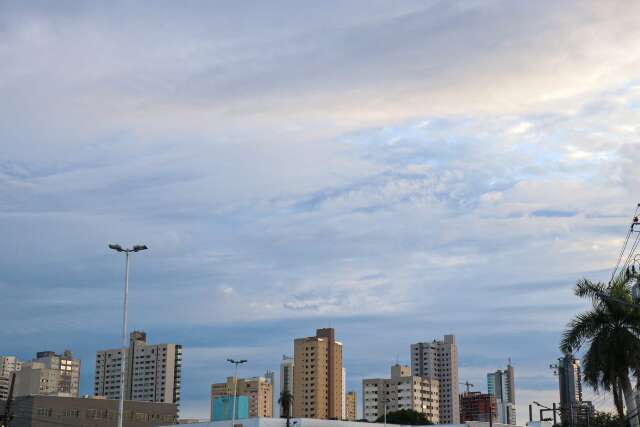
398, 171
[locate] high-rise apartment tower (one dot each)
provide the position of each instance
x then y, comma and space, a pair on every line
501, 384
317, 378
439, 360
152, 371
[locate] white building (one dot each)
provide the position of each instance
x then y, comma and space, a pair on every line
49, 374
152, 372
401, 391
439, 360
8, 365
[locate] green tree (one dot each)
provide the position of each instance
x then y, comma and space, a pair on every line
611, 332
286, 405
604, 419
406, 417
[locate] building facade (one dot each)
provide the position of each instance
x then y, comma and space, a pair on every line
317, 387
501, 384
46, 411
574, 412
152, 371
258, 390
477, 406
351, 404
438, 360
271, 378
222, 408
49, 374
8, 365
402, 391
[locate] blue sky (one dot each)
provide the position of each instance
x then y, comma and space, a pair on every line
397, 170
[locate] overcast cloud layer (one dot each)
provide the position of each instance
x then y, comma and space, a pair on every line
397, 170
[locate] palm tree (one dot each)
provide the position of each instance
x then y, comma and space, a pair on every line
286, 402
611, 329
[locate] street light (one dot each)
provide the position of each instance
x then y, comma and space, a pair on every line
118, 248
235, 388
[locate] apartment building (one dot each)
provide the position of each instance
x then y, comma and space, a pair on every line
351, 402
317, 378
439, 360
258, 390
8, 365
152, 371
501, 384
49, 374
402, 391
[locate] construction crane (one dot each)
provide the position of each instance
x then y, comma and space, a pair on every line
468, 385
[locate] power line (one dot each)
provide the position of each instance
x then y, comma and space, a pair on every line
624, 245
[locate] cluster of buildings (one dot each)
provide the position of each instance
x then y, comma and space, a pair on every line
45, 390
316, 378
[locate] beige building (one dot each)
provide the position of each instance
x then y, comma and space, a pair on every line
49, 374
152, 371
47, 411
317, 376
351, 411
8, 365
439, 360
259, 390
401, 391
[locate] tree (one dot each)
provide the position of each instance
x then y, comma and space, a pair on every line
611, 329
604, 419
286, 403
406, 417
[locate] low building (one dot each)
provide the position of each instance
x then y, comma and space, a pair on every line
350, 403
258, 389
315, 422
45, 411
222, 408
477, 406
49, 374
401, 391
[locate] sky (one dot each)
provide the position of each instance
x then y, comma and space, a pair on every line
395, 170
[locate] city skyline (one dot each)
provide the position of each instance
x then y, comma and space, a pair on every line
401, 170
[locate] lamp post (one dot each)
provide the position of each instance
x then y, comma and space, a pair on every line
235, 388
118, 248
385, 411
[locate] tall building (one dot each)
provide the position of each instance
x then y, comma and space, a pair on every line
271, 378
439, 360
317, 376
258, 390
152, 371
286, 374
49, 374
574, 411
476, 406
351, 401
501, 384
401, 391
8, 365
343, 394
